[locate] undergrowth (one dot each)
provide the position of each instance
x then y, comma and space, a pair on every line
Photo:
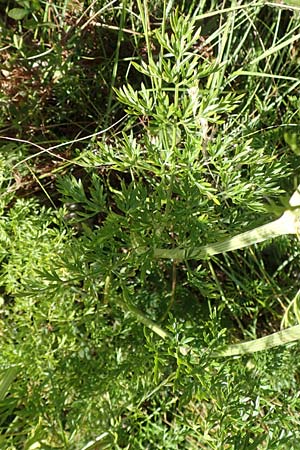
192, 116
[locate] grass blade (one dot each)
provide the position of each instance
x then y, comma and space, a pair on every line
7, 378
288, 223
276, 48
273, 340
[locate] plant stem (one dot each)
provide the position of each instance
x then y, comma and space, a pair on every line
273, 340
288, 223
126, 305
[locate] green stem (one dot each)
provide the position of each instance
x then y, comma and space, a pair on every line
288, 223
126, 305
288, 335
272, 340
6, 380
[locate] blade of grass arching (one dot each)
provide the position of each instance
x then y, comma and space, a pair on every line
7, 378
288, 223
291, 334
261, 74
276, 48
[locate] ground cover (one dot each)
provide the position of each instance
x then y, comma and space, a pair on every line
134, 137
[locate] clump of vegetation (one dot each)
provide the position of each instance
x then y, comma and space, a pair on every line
149, 199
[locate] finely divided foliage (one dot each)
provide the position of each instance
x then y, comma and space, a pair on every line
135, 262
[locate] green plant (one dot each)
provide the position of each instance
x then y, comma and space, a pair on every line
91, 282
